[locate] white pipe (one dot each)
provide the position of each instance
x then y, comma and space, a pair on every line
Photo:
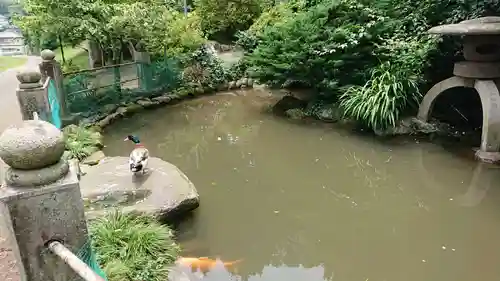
74, 262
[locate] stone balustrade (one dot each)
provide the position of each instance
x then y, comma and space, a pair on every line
40, 199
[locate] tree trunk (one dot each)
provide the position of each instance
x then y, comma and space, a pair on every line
116, 70
62, 49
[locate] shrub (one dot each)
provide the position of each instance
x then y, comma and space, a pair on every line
183, 34
246, 40
226, 16
81, 142
394, 85
379, 103
328, 46
238, 70
132, 247
202, 69
161, 29
276, 15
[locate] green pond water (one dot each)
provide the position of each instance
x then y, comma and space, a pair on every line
280, 192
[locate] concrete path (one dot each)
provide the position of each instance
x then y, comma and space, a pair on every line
9, 108
10, 114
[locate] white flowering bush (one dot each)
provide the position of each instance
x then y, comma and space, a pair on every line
324, 47
366, 57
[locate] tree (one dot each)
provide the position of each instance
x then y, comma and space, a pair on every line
227, 16
159, 27
46, 17
113, 24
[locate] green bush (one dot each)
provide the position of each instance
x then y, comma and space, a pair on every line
161, 29
203, 70
81, 142
394, 86
238, 70
378, 104
132, 247
183, 34
276, 15
373, 57
227, 16
325, 47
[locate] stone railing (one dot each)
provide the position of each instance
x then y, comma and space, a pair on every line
41, 203
36, 94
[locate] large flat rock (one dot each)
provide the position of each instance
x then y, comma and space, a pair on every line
164, 190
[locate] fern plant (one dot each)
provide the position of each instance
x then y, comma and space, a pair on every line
81, 142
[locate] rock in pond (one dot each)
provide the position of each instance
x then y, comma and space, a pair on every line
94, 158
327, 113
286, 103
164, 191
408, 126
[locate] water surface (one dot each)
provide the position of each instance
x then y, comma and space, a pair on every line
274, 191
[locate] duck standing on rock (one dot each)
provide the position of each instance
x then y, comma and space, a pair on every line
139, 157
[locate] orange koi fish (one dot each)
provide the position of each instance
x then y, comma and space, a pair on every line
204, 264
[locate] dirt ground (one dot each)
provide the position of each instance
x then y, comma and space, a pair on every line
8, 266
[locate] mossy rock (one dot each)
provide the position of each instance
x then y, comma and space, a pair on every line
133, 108
295, 114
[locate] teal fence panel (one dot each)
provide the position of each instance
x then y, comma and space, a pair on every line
94, 91
55, 105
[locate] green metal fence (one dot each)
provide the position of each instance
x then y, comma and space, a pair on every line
91, 91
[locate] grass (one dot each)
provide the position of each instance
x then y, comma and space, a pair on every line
7, 62
381, 101
133, 247
81, 142
76, 56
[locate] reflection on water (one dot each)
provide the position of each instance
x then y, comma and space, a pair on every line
278, 192
115, 198
269, 273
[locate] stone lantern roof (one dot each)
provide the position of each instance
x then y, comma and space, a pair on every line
479, 26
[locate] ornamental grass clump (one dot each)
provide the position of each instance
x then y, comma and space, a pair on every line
133, 247
379, 103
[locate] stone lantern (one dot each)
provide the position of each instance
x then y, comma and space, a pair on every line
40, 200
480, 70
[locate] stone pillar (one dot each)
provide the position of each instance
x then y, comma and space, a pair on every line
32, 96
49, 67
41, 198
144, 72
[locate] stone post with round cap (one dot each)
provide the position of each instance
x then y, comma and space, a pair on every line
40, 200
50, 68
31, 95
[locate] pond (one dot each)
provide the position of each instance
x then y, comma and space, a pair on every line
280, 192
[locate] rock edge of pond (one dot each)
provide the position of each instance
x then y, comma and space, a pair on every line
295, 108
112, 112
